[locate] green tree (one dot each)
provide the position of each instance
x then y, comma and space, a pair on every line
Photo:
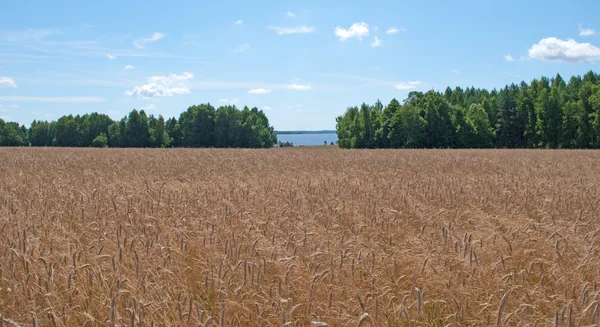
507, 128
347, 129
465, 136
227, 126
173, 129
569, 125
484, 133
159, 138
439, 130
11, 134
115, 138
197, 124
137, 134
100, 141
584, 115
385, 123
41, 133
408, 128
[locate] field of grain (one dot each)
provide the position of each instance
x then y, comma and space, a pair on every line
299, 237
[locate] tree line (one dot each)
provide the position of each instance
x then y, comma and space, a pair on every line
546, 113
198, 126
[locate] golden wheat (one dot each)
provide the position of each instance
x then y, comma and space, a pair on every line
299, 237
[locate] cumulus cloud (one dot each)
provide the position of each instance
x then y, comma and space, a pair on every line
14, 106
232, 101
586, 31
557, 50
376, 42
509, 58
299, 87
238, 22
7, 82
243, 48
394, 30
302, 29
162, 86
408, 85
129, 67
111, 57
290, 14
357, 30
141, 42
267, 108
259, 91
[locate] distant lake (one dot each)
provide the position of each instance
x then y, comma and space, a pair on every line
307, 139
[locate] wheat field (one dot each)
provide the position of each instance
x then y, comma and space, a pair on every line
299, 237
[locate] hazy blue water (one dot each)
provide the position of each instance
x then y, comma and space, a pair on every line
307, 139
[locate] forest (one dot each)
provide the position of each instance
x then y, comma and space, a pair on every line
198, 126
546, 113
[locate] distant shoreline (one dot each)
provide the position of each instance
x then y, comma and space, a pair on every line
304, 132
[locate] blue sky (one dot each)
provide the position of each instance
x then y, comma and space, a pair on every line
302, 62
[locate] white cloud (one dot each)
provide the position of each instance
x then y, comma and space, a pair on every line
408, 85
141, 42
29, 34
52, 99
7, 82
150, 107
267, 108
357, 30
162, 86
243, 48
302, 29
376, 42
259, 91
238, 22
299, 106
298, 87
232, 101
5, 118
129, 67
586, 31
2, 109
557, 50
456, 71
394, 30
509, 58
111, 57
14, 106
290, 14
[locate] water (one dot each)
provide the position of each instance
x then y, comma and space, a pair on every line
307, 139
